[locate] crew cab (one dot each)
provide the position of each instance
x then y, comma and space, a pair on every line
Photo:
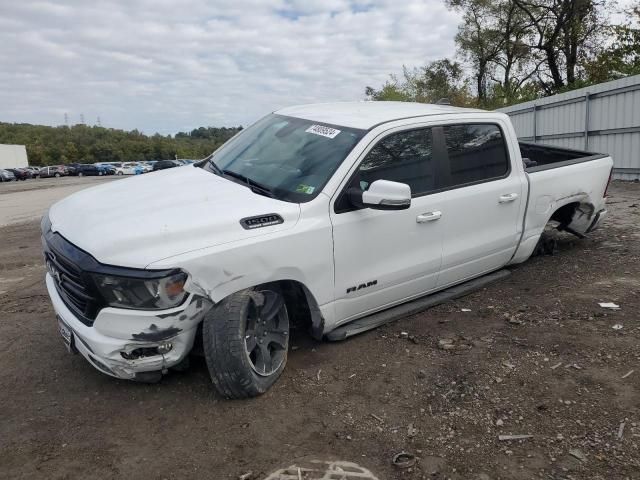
319, 215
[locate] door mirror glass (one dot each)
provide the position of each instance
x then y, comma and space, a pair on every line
387, 195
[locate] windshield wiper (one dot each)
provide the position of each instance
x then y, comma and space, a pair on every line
216, 169
252, 184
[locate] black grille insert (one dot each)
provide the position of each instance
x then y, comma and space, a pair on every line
72, 282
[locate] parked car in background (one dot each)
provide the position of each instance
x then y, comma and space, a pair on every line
53, 171
21, 173
35, 171
106, 168
6, 176
164, 164
146, 168
85, 169
129, 168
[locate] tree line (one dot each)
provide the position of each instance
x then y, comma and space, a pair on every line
88, 144
511, 51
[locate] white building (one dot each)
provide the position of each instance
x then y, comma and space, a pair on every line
13, 156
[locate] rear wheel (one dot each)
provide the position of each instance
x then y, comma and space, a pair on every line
245, 339
57, 175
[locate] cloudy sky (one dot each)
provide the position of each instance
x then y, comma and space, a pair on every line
166, 65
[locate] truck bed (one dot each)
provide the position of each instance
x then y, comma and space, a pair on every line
538, 157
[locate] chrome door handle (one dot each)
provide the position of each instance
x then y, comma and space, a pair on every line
429, 216
509, 197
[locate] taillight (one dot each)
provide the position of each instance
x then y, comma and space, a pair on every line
608, 183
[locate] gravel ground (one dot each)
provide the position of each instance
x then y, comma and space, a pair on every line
534, 355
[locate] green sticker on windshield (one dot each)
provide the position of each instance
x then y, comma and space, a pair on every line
302, 188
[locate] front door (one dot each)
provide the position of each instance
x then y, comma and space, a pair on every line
383, 257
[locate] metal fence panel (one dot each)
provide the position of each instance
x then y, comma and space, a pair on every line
601, 118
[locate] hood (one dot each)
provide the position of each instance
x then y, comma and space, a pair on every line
137, 221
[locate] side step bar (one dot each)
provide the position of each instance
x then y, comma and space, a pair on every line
394, 313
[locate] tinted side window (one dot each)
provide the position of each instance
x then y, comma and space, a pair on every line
476, 153
404, 157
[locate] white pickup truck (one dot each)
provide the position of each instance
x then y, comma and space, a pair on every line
338, 217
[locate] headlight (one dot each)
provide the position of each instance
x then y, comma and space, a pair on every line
142, 294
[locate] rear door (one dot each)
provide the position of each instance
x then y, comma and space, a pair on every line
384, 257
482, 198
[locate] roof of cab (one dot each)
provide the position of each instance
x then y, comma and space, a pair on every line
366, 115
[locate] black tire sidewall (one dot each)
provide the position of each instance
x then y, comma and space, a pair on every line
223, 338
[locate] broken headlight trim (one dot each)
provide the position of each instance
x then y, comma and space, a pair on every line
142, 294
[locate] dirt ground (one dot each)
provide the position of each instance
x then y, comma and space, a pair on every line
535, 355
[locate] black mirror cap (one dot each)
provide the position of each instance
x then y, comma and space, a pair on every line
355, 197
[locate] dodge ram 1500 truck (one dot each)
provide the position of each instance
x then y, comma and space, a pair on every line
337, 217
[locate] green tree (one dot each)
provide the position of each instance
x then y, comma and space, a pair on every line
86, 144
622, 57
439, 79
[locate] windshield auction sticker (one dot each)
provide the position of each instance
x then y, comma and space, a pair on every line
322, 130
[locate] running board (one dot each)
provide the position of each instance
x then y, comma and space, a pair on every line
394, 313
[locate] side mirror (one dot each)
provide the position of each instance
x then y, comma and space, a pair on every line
383, 195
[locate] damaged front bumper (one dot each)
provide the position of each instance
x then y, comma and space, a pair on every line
599, 217
131, 344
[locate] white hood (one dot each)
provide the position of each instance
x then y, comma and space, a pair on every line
141, 220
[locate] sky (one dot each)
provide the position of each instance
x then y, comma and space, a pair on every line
167, 66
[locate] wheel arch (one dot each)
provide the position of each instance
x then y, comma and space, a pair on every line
301, 303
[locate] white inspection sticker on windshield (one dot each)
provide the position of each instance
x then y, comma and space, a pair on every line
322, 130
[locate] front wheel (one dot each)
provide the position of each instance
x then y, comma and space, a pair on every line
81, 174
246, 338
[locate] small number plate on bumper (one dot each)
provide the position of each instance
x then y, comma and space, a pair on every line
67, 335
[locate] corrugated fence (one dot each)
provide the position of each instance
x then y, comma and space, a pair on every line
603, 118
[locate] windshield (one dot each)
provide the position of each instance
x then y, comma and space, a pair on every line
290, 158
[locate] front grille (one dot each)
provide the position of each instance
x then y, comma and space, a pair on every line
72, 283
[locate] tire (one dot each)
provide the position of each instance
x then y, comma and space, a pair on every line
245, 339
80, 174
120, 173
57, 175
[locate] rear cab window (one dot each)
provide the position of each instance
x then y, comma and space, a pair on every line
475, 153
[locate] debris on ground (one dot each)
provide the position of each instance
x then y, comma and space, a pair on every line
621, 430
446, 344
503, 438
403, 460
576, 453
617, 326
377, 417
627, 374
609, 305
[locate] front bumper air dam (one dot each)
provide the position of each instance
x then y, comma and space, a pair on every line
116, 331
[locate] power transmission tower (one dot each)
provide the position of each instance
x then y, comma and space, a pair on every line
82, 119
